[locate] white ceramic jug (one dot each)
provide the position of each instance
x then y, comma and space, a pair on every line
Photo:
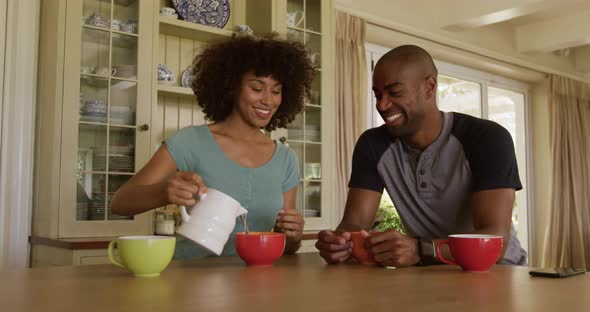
211, 221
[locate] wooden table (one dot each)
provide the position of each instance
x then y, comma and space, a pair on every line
296, 283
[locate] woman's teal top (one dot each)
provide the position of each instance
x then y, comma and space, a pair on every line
259, 190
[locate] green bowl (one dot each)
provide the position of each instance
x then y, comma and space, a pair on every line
143, 255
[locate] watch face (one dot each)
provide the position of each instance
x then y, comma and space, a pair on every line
427, 247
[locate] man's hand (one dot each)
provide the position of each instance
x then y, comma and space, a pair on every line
392, 248
334, 247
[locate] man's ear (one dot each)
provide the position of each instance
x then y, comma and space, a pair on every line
430, 85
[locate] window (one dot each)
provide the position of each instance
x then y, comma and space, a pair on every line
457, 95
483, 95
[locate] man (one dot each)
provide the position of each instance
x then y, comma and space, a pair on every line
446, 173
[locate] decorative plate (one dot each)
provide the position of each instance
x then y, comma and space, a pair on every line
187, 77
207, 12
165, 74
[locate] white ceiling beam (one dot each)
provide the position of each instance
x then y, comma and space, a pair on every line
555, 34
466, 14
582, 59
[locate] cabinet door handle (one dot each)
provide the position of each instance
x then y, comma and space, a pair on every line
144, 127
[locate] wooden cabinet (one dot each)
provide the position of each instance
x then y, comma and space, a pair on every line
102, 112
98, 122
73, 251
43, 256
176, 43
311, 135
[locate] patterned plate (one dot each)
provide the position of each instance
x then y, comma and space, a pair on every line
207, 12
187, 77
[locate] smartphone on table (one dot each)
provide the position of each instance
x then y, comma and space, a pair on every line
556, 272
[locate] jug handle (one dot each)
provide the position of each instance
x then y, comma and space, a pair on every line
184, 214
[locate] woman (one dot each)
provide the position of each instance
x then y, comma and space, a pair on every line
244, 84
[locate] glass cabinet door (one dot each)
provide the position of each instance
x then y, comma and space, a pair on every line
108, 100
105, 118
304, 134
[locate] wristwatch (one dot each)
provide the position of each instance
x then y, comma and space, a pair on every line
426, 252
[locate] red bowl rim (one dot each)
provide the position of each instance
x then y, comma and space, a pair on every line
260, 234
475, 236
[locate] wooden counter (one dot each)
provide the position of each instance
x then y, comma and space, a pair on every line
296, 283
103, 242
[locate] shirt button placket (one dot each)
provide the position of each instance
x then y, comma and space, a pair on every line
422, 172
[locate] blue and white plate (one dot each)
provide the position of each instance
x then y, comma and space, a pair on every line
165, 74
187, 77
207, 12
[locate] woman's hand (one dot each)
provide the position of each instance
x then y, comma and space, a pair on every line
180, 188
290, 222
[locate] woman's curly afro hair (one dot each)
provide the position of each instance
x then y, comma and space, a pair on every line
221, 65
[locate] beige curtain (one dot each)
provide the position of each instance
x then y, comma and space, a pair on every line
568, 236
351, 97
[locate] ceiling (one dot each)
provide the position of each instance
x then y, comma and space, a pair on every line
538, 25
559, 27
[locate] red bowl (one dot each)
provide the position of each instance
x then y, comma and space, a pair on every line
260, 248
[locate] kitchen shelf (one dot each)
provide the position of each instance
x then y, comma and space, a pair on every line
104, 124
128, 173
121, 41
303, 142
125, 2
175, 90
305, 30
124, 33
310, 180
190, 30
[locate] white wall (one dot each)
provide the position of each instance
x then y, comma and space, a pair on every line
18, 51
3, 7
3, 22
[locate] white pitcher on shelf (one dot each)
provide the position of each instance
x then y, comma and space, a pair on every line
295, 18
211, 221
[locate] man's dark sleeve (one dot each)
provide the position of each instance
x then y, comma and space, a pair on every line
492, 160
364, 165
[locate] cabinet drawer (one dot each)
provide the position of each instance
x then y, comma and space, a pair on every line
55, 256
93, 256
